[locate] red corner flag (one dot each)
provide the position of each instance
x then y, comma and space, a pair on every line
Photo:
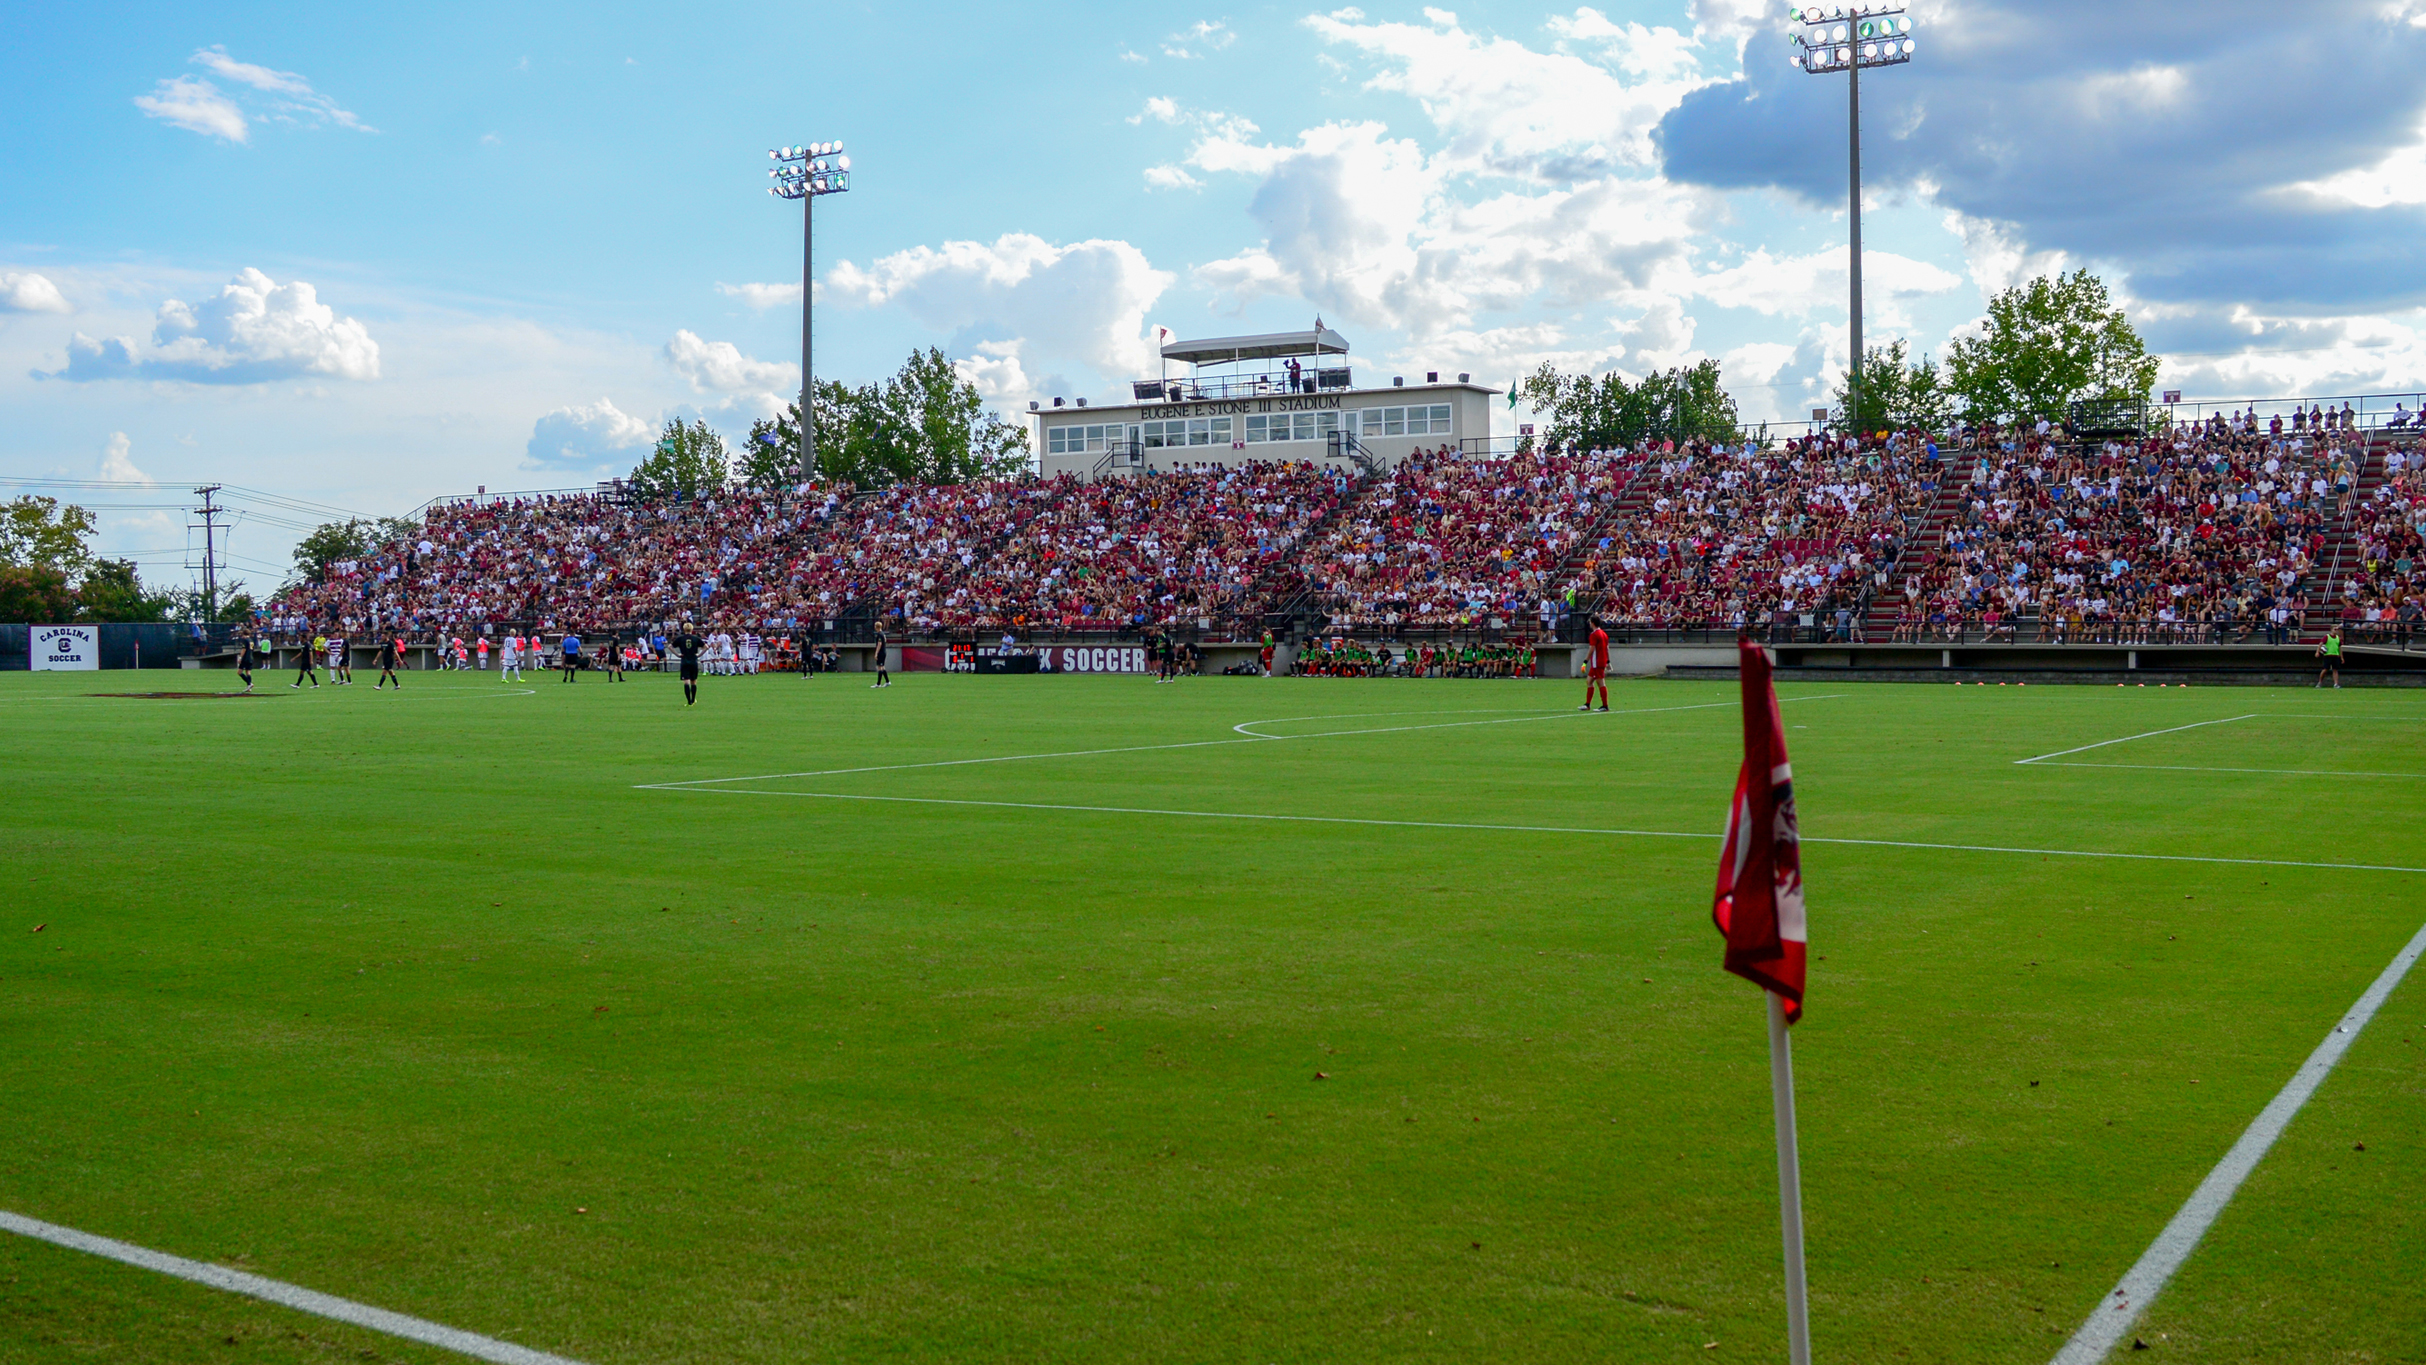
1759, 907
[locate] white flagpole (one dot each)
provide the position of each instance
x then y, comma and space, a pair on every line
1789, 1182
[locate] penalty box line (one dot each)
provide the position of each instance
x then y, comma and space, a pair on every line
283, 1294
2114, 1318
1525, 829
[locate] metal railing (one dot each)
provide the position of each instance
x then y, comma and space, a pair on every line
1263, 384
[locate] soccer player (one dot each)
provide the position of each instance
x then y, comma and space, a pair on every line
572, 653
884, 677
245, 659
2331, 652
614, 659
309, 664
688, 646
1596, 666
1266, 657
509, 659
388, 655
483, 650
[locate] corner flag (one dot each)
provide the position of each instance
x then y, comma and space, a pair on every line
1759, 905
1759, 908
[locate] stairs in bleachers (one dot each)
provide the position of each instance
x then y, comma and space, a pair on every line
1920, 553
2340, 557
1281, 585
1632, 496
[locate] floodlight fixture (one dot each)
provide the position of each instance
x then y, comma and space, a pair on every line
808, 173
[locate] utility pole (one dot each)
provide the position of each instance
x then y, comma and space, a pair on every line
210, 550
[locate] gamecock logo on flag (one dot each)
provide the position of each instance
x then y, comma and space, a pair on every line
1759, 904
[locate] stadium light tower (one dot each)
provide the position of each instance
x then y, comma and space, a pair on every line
1846, 38
808, 174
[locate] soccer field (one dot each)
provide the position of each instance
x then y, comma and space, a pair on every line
1081, 1018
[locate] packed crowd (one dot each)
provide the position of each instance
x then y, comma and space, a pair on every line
2223, 529
570, 562
1448, 540
1723, 535
2206, 533
1190, 545
2384, 595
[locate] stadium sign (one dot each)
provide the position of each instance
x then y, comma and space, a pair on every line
63, 649
1096, 659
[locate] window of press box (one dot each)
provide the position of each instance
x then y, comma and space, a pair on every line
1191, 431
1424, 421
1076, 440
1292, 426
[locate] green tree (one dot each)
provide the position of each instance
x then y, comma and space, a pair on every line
333, 543
2047, 344
112, 591
35, 593
38, 532
771, 456
689, 459
1897, 392
926, 424
1607, 410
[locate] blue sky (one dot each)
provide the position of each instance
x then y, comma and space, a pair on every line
368, 258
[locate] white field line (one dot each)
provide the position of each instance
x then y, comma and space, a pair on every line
285, 1295
2112, 1320
2149, 734
2182, 768
1510, 829
709, 782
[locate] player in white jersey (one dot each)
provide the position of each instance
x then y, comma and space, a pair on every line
509, 659
751, 651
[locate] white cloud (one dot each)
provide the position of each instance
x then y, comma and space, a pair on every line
720, 367
761, 296
1171, 178
996, 372
1136, 58
1798, 286
255, 330
1509, 109
1084, 303
30, 293
1756, 363
1160, 108
116, 466
586, 435
279, 97
194, 105
1199, 39
1997, 256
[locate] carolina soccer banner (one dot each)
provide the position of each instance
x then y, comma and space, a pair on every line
1759, 907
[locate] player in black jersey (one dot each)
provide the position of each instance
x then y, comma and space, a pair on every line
686, 646
884, 676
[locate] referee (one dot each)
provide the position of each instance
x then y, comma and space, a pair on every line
687, 647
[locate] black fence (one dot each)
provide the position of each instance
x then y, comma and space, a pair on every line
121, 645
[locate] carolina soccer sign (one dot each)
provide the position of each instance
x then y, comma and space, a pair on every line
1759, 906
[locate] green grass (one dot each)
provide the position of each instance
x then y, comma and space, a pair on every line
371, 993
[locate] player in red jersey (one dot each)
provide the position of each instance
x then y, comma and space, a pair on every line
1596, 668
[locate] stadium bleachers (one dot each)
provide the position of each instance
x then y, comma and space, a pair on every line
2202, 533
